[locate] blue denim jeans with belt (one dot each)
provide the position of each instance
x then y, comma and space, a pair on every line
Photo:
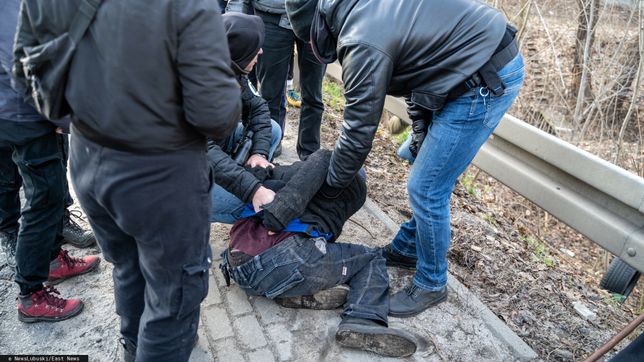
455, 135
301, 265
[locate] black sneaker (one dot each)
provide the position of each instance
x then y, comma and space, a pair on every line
370, 336
331, 298
73, 233
413, 300
396, 259
8, 248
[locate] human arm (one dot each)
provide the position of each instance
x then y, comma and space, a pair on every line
366, 72
210, 92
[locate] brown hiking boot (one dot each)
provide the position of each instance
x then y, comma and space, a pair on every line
331, 298
66, 266
45, 306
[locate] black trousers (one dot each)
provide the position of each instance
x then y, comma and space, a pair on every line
272, 71
149, 213
31, 157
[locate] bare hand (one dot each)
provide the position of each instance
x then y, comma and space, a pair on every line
262, 196
258, 160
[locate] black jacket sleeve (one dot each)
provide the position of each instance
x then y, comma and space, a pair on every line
366, 72
232, 177
211, 95
257, 117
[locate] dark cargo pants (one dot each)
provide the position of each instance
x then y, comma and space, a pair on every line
149, 213
30, 156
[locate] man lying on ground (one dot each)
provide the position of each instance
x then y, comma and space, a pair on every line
287, 253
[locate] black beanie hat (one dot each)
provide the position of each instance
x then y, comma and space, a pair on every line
300, 15
245, 35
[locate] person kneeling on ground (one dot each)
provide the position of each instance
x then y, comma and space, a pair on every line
287, 252
234, 185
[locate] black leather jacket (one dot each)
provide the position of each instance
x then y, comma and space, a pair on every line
256, 116
419, 49
146, 77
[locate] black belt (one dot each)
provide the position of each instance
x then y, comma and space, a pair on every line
488, 74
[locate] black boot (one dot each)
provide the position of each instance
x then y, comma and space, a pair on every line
74, 234
396, 259
371, 336
413, 300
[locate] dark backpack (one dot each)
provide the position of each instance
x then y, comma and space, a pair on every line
46, 66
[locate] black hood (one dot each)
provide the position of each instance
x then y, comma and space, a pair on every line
245, 35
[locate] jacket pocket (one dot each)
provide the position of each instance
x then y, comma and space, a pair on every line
194, 287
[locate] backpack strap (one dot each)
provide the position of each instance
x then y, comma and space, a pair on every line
294, 226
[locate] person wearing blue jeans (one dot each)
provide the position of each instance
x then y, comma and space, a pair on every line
458, 67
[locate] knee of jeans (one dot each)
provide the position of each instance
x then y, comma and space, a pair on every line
276, 132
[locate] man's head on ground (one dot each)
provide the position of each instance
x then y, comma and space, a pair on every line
245, 35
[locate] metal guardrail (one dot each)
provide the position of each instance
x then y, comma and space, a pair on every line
598, 199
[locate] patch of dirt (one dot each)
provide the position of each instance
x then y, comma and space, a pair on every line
524, 264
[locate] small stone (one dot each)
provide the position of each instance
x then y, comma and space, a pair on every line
478, 249
583, 311
570, 253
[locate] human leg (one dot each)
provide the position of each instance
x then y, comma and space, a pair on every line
311, 76
454, 137
170, 189
272, 66
10, 183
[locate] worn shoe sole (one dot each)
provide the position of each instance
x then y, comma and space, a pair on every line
332, 298
32, 319
417, 312
384, 341
89, 270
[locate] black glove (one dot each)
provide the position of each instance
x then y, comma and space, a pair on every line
419, 131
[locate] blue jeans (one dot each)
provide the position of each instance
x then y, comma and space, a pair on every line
226, 207
454, 137
300, 265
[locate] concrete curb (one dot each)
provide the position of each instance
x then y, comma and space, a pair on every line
522, 351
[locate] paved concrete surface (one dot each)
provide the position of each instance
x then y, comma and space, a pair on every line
236, 327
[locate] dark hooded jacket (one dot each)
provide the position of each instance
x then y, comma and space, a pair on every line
418, 49
145, 77
297, 196
245, 35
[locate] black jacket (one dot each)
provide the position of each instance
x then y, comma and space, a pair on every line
257, 118
419, 49
146, 77
298, 196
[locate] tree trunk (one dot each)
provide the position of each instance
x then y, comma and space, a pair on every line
581, 75
586, 24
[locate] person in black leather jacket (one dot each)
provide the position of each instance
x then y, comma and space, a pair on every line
235, 186
458, 67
